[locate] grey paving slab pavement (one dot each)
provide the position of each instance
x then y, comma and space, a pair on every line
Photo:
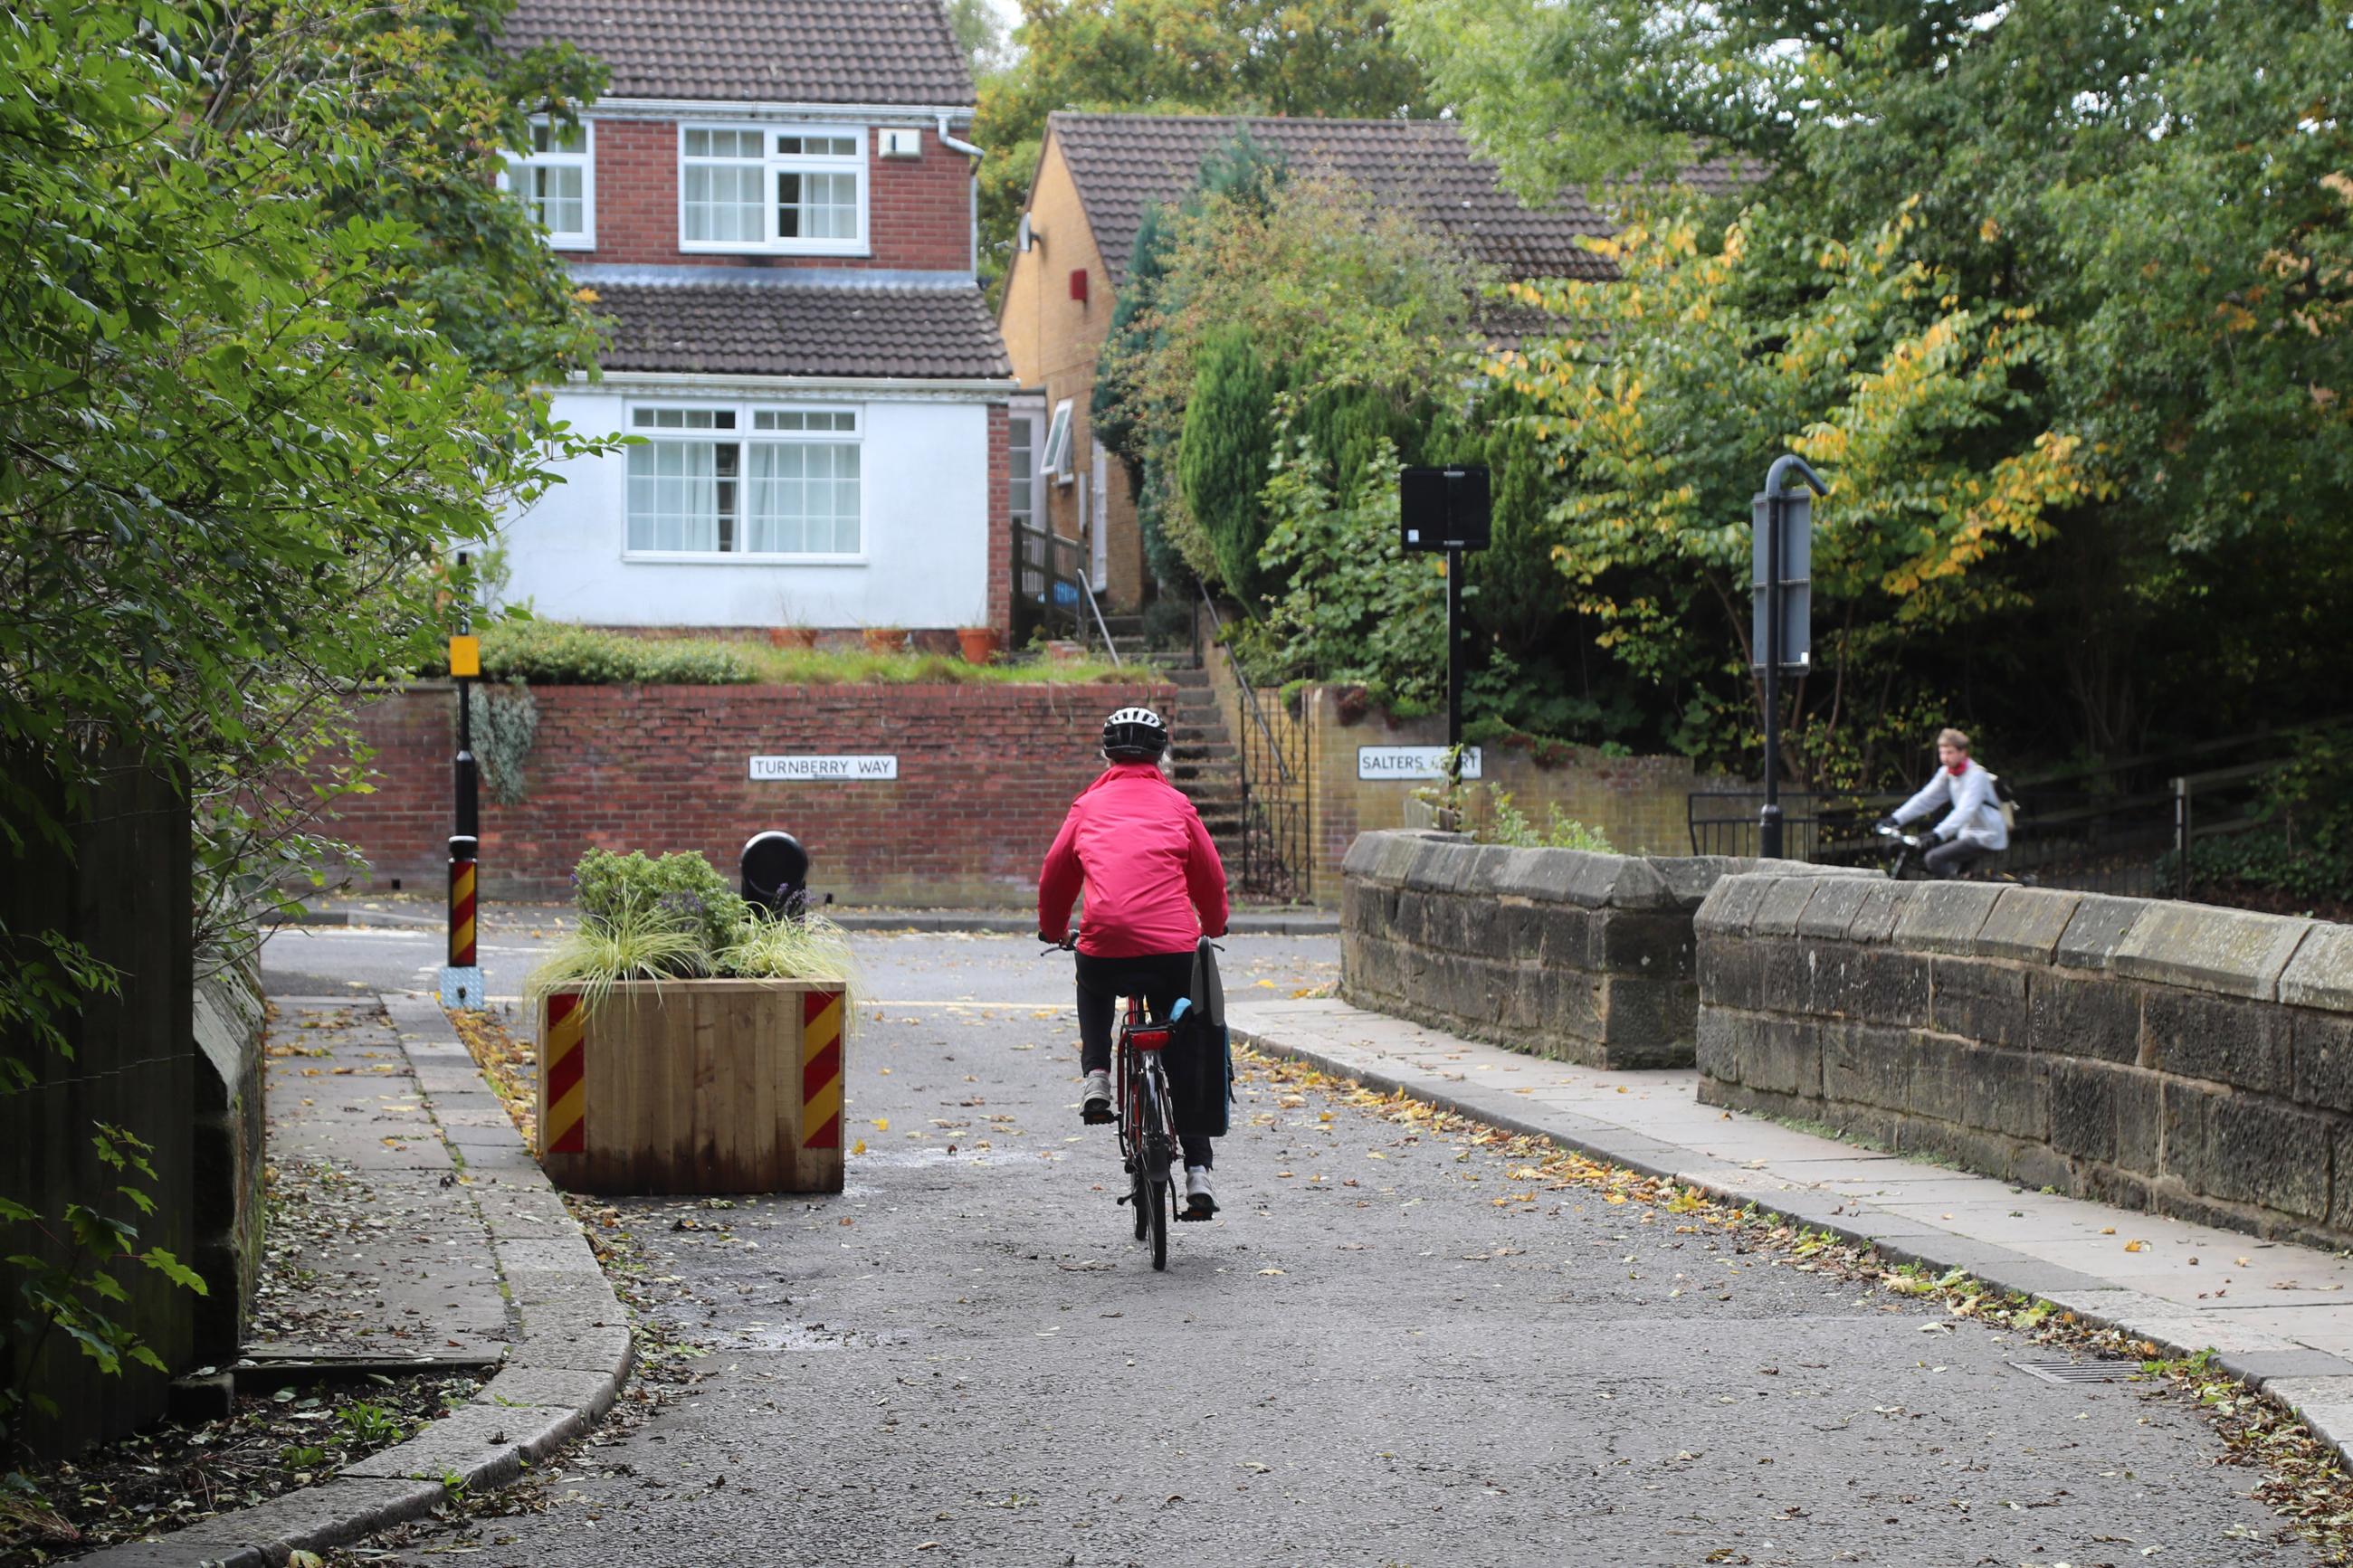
451, 1241
2278, 1316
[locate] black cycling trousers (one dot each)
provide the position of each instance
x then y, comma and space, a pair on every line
1953, 858
1161, 979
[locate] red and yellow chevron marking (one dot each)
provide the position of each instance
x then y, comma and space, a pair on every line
461, 914
566, 1131
821, 1069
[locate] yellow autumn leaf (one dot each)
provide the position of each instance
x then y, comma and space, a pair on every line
2136, 1247
881, 1124
859, 1147
1613, 1197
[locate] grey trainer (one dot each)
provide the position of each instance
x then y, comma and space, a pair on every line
1199, 1201
1094, 1102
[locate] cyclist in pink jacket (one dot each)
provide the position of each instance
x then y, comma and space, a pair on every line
1153, 886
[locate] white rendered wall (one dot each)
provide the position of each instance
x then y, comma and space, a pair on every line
924, 471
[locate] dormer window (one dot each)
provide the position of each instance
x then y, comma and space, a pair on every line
557, 181
799, 190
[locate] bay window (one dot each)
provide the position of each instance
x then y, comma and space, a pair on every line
721, 481
753, 188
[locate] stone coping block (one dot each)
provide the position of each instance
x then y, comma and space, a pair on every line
1433, 862
2027, 923
2096, 929
2233, 952
1946, 917
2321, 973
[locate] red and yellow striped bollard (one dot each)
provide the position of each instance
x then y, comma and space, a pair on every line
462, 913
563, 1128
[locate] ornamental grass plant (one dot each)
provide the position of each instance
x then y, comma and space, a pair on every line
675, 918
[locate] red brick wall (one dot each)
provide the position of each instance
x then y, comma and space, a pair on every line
919, 213
985, 773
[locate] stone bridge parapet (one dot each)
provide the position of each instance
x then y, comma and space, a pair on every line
1581, 957
2176, 1056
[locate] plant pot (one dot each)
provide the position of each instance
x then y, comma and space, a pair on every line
793, 637
694, 1087
884, 639
979, 644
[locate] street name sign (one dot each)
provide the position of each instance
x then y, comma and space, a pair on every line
1411, 761
844, 769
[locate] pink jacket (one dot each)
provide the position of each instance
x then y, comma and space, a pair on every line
1148, 866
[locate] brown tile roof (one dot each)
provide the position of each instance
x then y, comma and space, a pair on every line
736, 327
1124, 163
760, 51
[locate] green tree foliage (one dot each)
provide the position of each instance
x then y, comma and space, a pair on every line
266, 334
1343, 300
1222, 455
2088, 256
980, 34
1360, 609
1331, 58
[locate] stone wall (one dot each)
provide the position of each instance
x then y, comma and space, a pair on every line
2193, 1060
1585, 958
986, 774
227, 1159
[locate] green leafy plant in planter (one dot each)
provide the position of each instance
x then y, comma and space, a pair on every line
675, 918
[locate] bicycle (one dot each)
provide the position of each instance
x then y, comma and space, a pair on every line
1911, 861
1145, 1110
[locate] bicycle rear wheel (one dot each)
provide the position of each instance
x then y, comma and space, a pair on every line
1160, 1225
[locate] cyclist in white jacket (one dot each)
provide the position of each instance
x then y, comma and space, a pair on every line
1974, 827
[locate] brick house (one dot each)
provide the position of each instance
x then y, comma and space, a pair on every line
1098, 174
772, 206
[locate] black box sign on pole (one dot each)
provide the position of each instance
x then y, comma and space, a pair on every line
1444, 508
1782, 634
1793, 586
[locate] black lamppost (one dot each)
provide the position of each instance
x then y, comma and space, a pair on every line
1781, 625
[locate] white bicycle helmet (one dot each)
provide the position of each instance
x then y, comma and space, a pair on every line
1135, 735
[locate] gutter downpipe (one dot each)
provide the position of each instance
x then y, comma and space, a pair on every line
972, 192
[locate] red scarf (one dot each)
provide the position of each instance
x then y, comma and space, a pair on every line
1958, 769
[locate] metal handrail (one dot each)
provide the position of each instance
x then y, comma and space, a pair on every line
1110, 647
1250, 693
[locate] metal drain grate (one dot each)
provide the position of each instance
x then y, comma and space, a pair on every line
2079, 1371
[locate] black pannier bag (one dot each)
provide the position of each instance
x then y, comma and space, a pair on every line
1200, 1053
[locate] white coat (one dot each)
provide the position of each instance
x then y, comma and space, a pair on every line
1976, 815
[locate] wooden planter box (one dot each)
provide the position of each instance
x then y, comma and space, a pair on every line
695, 1086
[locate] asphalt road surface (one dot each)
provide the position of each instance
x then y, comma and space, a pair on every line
1366, 1359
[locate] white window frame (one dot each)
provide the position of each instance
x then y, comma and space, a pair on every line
1054, 451
744, 435
586, 162
773, 163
